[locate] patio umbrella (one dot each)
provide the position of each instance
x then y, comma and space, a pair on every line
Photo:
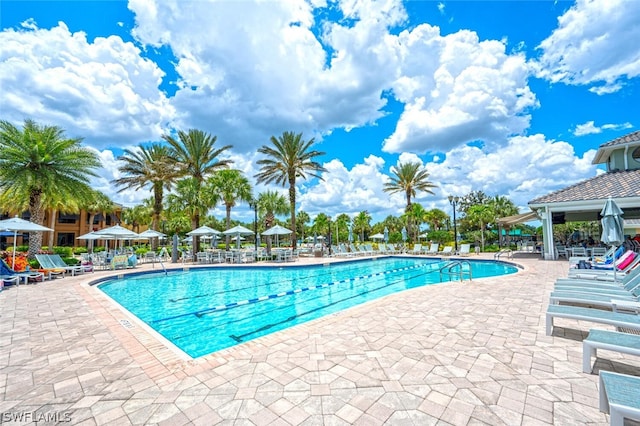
404, 234
386, 234
277, 230
16, 224
237, 231
151, 233
350, 232
91, 237
612, 226
204, 230
118, 232
377, 236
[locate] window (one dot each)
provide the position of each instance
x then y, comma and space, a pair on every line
636, 154
66, 238
67, 218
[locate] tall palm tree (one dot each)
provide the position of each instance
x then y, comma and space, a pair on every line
270, 204
362, 223
342, 223
436, 219
229, 186
148, 166
302, 218
409, 178
39, 161
196, 156
481, 215
99, 203
289, 158
136, 216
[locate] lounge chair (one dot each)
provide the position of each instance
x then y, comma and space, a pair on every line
59, 263
628, 261
465, 250
617, 319
6, 271
609, 340
4, 279
391, 248
619, 397
446, 251
417, 249
47, 262
433, 249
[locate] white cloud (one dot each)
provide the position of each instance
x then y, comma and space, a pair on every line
528, 167
103, 90
590, 128
457, 89
596, 43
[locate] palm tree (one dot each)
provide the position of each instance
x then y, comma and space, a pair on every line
270, 204
136, 216
39, 163
416, 215
195, 155
481, 215
148, 166
362, 223
409, 178
98, 203
229, 186
342, 222
436, 219
302, 218
289, 159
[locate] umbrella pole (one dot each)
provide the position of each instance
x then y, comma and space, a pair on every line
15, 238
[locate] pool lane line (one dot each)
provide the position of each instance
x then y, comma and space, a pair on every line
176, 338
271, 283
285, 293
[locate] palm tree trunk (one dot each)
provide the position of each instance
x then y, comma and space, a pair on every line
37, 216
52, 224
292, 202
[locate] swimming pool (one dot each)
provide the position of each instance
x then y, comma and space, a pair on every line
205, 310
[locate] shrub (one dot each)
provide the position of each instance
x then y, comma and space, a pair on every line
80, 250
63, 251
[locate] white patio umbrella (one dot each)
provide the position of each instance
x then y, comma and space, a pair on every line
16, 225
377, 237
237, 231
91, 237
204, 230
386, 234
118, 232
277, 230
151, 233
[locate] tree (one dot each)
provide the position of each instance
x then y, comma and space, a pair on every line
195, 155
416, 215
229, 186
342, 222
302, 218
185, 200
144, 167
471, 199
409, 178
321, 224
136, 216
362, 223
38, 163
436, 219
287, 160
270, 204
480, 215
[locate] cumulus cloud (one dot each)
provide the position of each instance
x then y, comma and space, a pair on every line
457, 89
595, 44
103, 89
527, 167
590, 128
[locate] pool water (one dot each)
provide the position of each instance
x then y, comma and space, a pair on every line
208, 309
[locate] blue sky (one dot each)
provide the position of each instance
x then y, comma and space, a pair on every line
508, 97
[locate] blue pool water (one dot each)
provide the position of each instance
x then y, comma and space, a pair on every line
205, 310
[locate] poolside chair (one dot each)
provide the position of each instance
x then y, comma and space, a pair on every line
618, 319
417, 249
46, 261
618, 396
5, 279
59, 263
465, 250
622, 266
446, 251
26, 276
433, 249
609, 340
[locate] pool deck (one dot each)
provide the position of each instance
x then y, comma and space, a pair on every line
456, 353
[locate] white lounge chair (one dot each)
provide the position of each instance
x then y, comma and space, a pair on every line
465, 250
619, 397
446, 251
417, 249
608, 340
433, 249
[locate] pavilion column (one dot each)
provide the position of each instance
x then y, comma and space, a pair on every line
547, 233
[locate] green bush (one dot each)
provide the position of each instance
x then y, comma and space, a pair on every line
71, 261
80, 250
63, 251
491, 248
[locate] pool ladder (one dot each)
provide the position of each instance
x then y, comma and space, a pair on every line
507, 252
456, 269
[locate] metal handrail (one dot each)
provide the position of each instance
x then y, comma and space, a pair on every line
449, 270
508, 252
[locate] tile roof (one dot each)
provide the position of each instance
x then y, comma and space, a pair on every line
615, 184
631, 137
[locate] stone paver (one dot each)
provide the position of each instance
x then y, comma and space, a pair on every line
457, 353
